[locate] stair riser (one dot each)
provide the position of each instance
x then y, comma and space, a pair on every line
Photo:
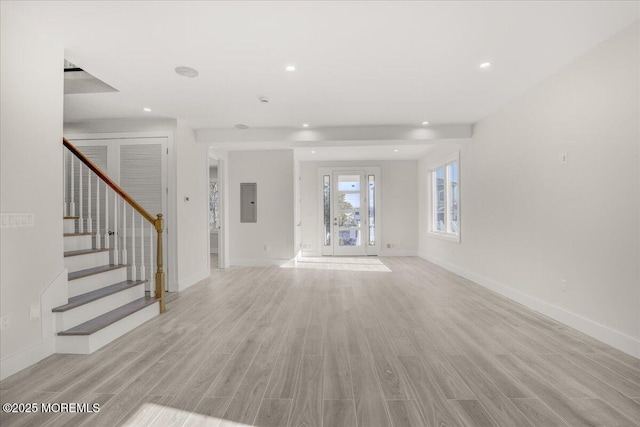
82, 262
86, 312
77, 243
96, 281
86, 344
69, 225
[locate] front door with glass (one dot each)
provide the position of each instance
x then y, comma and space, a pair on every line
348, 218
349, 212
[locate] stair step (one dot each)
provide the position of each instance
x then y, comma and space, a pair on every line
78, 234
95, 270
84, 252
101, 322
70, 217
83, 299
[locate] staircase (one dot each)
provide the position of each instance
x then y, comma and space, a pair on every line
109, 293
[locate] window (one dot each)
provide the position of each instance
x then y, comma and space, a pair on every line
326, 197
214, 212
445, 199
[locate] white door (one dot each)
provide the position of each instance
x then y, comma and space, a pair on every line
349, 217
349, 205
138, 165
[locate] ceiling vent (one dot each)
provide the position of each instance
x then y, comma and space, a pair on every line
76, 80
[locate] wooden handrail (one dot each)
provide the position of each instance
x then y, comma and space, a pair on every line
157, 222
103, 176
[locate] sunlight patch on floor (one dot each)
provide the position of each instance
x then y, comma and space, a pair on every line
339, 263
146, 414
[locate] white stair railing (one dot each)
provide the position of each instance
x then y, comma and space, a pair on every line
80, 197
115, 236
72, 203
98, 231
116, 247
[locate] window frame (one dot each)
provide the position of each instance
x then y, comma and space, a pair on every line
444, 162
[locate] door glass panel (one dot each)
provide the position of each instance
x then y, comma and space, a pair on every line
326, 194
349, 237
349, 183
349, 219
349, 200
372, 210
454, 196
439, 196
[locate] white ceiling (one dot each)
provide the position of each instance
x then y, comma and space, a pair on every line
358, 63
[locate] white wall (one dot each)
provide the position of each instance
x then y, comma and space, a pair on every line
31, 182
529, 221
192, 229
399, 206
273, 173
121, 125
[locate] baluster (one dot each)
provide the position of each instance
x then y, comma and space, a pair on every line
65, 207
72, 177
89, 219
133, 244
98, 235
80, 201
124, 232
152, 284
143, 273
106, 217
115, 229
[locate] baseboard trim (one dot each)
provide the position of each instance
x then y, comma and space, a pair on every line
310, 254
607, 335
192, 280
49, 298
393, 252
257, 262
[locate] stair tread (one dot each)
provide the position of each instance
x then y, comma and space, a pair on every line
94, 270
70, 217
80, 300
102, 321
78, 234
84, 252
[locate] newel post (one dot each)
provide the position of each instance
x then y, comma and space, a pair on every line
159, 272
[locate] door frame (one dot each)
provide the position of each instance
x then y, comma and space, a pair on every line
370, 250
171, 191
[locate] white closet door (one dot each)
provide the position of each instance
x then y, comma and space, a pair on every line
141, 175
139, 166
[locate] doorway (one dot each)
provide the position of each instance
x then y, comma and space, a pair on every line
350, 199
215, 214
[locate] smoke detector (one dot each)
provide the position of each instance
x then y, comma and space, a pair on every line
187, 71
263, 99
241, 126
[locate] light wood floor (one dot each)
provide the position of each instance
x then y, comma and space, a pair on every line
340, 345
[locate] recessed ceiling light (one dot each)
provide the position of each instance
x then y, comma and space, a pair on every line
148, 110
425, 123
485, 65
396, 150
290, 68
187, 71
313, 152
306, 125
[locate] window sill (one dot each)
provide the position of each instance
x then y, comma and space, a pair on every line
443, 236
